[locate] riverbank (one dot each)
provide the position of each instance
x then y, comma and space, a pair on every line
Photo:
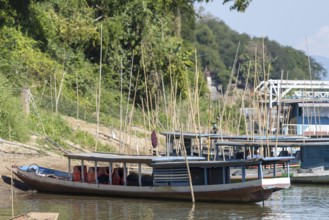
22, 157
14, 153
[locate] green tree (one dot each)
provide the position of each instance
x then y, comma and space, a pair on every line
13, 123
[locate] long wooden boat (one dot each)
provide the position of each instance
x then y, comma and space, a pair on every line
154, 177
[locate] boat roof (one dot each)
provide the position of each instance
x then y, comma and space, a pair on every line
295, 143
255, 140
264, 161
177, 134
172, 161
119, 158
191, 135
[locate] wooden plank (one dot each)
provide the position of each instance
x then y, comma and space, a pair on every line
37, 216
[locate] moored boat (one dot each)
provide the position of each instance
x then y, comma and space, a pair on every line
164, 177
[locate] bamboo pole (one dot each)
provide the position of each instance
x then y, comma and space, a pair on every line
60, 90
11, 178
146, 87
131, 113
55, 93
144, 120
310, 73
165, 100
265, 107
98, 94
129, 91
197, 101
121, 97
209, 116
227, 91
237, 116
77, 92
187, 167
278, 116
243, 97
196, 127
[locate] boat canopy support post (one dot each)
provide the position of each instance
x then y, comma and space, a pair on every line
110, 172
125, 173
205, 176
69, 169
260, 171
274, 170
200, 147
224, 175
167, 144
96, 179
230, 152
216, 157
82, 172
139, 174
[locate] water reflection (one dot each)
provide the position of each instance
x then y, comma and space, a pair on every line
295, 203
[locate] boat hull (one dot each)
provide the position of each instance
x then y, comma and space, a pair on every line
249, 192
312, 178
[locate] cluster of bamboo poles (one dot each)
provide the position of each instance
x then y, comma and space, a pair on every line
167, 101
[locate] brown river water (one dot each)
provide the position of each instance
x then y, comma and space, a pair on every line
297, 202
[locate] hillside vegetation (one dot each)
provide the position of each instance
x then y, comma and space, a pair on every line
127, 64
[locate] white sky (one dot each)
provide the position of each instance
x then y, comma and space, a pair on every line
301, 24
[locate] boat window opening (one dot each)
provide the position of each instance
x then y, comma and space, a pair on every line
78, 175
218, 175
199, 176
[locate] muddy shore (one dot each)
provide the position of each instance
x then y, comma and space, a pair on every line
18, 154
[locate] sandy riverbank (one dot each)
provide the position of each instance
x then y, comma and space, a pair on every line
19, 154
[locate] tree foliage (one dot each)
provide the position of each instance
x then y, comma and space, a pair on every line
239, 5
13, 123
146, 48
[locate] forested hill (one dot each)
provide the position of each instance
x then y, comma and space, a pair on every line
217, 46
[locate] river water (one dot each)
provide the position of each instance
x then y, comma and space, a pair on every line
297, 202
